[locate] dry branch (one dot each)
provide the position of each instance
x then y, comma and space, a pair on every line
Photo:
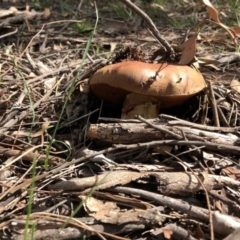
124, 132
169, 182
176, 204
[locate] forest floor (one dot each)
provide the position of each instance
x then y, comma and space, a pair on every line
71, 168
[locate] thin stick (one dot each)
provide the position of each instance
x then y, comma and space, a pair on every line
173, 121
222, 117
205, 190
176, 204
160, 128
214, 104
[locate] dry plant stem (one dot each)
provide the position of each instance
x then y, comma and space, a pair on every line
166, 46
171, 133
9, 117
67, 164
183, 153
17, 158
14, 138
10, 190
209, 145
9, 34
10, 204
118, 120
162, 129
43, 76
213, 146
124, 201
236, 115
206, 193
172, 121
214, 104
205, 108
13, 111
176, 204
231, 114
176, 121
232, 34
222, 117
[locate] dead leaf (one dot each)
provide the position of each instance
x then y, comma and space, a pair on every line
95, 206
199, 232
232, 172
189, 50
213, 13
109, 212
167, 233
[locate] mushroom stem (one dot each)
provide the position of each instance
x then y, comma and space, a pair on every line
138, 104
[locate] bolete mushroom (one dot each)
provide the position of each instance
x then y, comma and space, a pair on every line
143, 88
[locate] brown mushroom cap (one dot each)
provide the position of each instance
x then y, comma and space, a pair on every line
171, 84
